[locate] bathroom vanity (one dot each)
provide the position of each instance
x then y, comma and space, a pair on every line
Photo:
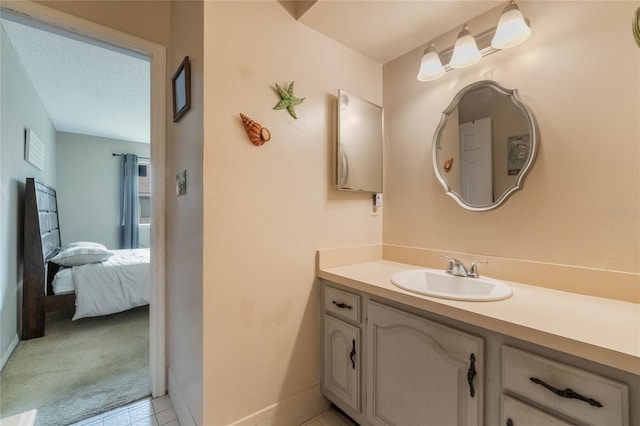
540, 357
418, 368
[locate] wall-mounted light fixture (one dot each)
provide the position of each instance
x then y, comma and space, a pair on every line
430, 68
512, 29
465, 51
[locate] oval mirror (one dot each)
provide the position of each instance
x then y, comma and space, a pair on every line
484, 146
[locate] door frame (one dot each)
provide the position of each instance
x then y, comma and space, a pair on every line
157, 57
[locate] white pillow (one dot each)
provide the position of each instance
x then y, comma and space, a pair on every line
76, 254
82, 244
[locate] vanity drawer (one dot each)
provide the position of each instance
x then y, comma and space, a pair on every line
516, 413
342, 304
536, 378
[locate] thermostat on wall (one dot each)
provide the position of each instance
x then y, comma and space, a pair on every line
377, 200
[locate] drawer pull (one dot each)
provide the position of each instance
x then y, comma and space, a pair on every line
471, 373
509, 422
352, 355
342, 305
566, 393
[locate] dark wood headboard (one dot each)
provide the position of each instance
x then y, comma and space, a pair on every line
41, 242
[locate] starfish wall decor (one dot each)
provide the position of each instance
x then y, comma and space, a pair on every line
288, 100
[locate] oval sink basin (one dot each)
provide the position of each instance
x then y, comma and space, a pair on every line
431, 282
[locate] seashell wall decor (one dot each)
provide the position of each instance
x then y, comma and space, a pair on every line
448, 164
258, 135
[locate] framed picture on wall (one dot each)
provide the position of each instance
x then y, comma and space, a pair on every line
181, 83
518, 148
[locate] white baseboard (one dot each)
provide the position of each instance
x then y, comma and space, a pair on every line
9, 351
293, 411
179, 404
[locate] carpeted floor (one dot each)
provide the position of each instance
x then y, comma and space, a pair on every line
78, 369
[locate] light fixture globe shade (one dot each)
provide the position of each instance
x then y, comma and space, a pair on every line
465, 51
430, 67
512, 28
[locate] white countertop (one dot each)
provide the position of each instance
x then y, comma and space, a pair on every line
601, 330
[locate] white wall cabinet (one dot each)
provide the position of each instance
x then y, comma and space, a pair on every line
420, 372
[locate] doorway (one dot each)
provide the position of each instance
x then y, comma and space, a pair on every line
157, 57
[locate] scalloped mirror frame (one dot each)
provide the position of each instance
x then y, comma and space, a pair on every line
533, 131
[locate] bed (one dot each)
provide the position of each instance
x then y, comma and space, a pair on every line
81, 276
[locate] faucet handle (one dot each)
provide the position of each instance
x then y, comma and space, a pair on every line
473, 269
450, 261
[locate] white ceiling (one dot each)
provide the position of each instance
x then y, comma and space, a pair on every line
386, 29
86, 86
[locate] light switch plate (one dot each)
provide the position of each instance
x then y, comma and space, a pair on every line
181, 183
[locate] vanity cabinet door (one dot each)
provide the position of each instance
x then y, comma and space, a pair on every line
342, 361
420, 372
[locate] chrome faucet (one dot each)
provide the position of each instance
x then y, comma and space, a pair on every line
457, 268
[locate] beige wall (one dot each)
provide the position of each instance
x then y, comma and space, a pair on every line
184, 213
145, 19
268, 209
581, 202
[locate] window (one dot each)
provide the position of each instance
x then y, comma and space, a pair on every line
144, 192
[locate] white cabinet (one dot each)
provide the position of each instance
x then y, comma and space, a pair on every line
420, 372
342, 304
342, 343
516, 413
572, 392
341, 374
387, 364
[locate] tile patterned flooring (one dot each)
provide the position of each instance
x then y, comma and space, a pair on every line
160, 412
331, 417
146, 412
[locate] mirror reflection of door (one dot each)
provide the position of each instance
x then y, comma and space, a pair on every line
476, 171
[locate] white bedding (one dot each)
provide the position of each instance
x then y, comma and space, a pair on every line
114, 285
63, 281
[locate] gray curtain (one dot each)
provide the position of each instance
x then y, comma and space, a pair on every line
129, 235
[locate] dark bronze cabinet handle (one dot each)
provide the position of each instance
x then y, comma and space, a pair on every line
566, 393
509, 422
342, 305
471, 373
352, 355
